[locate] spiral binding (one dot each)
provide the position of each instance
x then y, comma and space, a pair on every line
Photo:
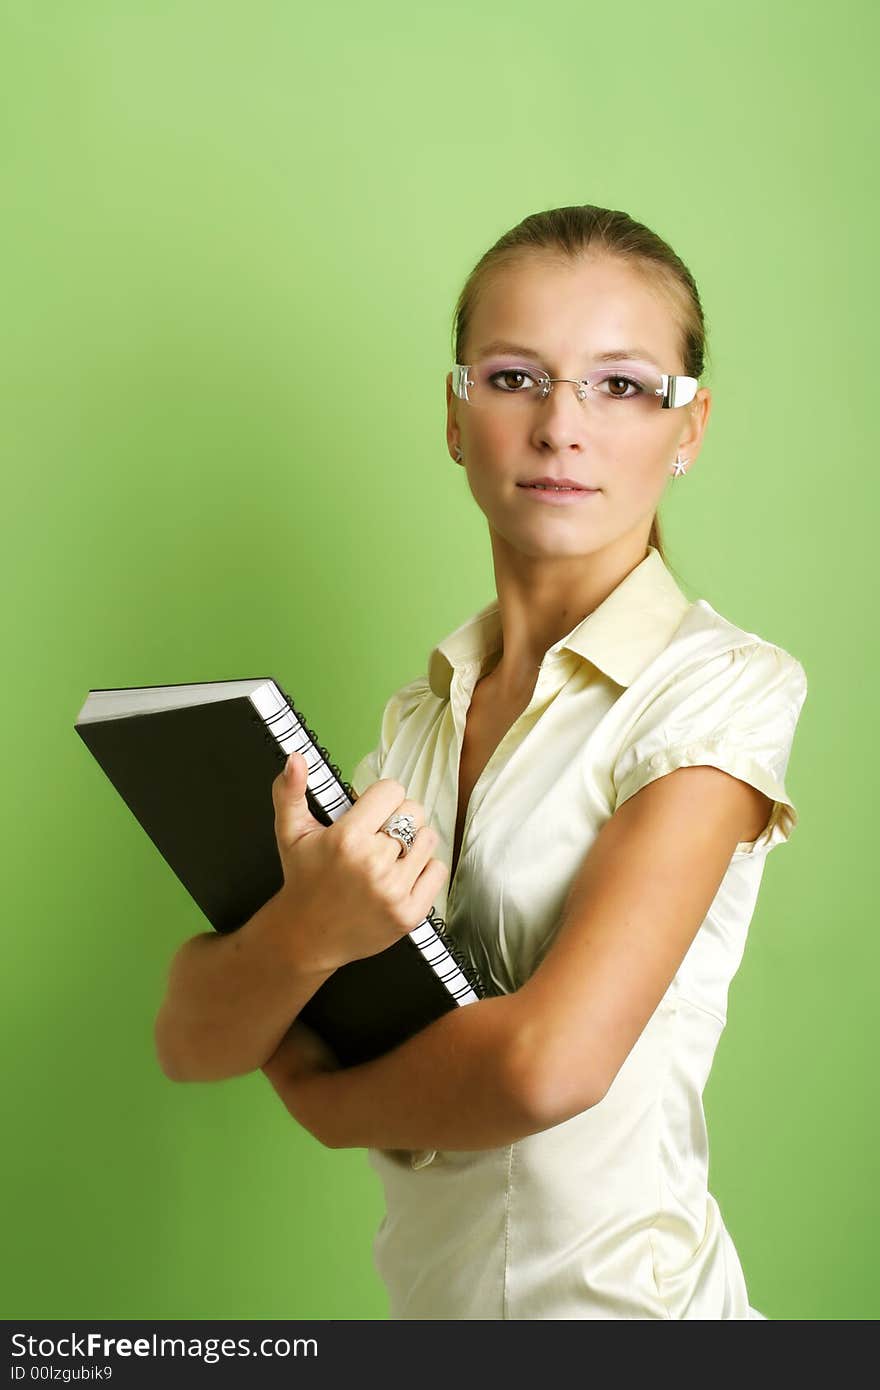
464, 964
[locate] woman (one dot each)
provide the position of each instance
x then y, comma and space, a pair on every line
602, 763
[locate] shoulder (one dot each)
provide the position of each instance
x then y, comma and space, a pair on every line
397, 714
727, 662
405, 701
717, 694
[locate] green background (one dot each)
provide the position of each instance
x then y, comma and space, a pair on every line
231, 240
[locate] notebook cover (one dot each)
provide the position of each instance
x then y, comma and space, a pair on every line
198, 780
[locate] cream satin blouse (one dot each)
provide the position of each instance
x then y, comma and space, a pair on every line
607, 1215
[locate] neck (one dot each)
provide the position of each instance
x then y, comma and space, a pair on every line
540, 600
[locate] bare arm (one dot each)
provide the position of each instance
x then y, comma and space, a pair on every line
230, 998
457, 1084
495, 1071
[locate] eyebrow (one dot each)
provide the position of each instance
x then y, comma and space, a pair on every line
612, 355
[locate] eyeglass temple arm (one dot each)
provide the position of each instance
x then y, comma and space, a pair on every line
677, 390
460, 381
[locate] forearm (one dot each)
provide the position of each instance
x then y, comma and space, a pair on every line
455, 1085
231, 997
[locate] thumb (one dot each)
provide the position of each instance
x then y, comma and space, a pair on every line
292, 815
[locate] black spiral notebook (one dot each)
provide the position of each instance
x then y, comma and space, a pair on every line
195, 763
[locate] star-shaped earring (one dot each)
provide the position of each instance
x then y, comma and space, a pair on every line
679, 468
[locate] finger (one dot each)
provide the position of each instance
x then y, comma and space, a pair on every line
426, 890
292, 815
416, 811
410, 865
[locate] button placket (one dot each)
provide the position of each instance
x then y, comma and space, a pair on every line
553, 673
463, 682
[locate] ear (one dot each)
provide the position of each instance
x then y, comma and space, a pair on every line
698, 411
453, 438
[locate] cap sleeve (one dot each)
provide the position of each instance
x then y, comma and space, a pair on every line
738, 712
397, 710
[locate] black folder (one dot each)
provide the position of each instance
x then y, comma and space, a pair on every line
195, 763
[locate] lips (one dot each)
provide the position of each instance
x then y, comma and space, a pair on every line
567, 484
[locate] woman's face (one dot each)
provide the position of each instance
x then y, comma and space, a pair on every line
569, 314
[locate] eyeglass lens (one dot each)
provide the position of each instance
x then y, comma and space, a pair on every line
506, 383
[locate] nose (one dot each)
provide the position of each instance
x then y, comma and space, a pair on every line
562, 418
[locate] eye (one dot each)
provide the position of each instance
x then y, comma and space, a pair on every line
621, 381
510, 372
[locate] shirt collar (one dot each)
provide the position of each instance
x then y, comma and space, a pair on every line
621, 636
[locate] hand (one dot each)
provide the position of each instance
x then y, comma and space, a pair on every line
349, 891
301, 1052
298, 1060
